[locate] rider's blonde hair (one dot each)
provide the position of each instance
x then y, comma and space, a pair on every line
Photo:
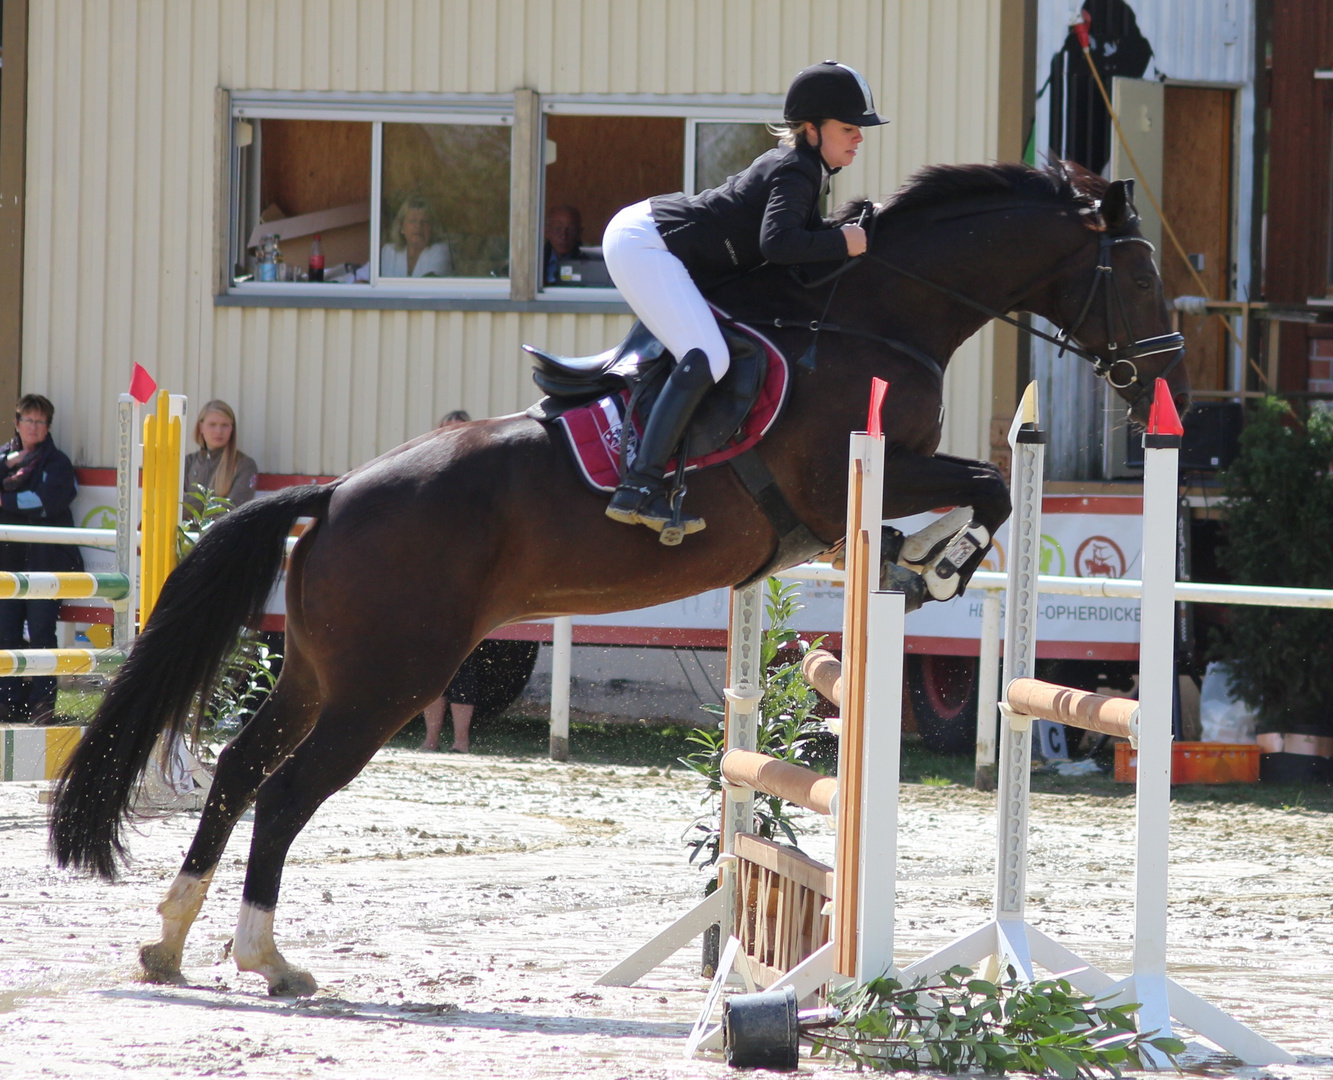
789, 132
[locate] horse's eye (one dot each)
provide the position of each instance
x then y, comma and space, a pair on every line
1143, 281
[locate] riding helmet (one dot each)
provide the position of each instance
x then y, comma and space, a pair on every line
831, 91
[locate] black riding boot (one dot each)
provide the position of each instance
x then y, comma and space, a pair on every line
641, 497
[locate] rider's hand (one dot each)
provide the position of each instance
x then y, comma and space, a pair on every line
856, 239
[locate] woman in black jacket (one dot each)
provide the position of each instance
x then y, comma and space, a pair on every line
36, 488
662, 251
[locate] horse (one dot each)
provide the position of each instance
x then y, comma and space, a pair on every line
414, 557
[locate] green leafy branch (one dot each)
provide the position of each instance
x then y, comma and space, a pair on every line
249, 673
955, 1022
784, 729
200, 510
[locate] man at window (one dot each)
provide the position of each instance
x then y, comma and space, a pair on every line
565, 260
416, 246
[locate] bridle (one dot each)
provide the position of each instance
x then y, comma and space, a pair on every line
1121, 362
1105, 367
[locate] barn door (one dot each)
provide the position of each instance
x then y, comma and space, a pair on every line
1182, 139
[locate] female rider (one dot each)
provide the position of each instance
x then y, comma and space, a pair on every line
661, 252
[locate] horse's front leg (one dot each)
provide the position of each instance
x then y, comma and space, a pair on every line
936, 562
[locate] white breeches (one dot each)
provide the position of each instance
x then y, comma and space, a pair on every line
658, 287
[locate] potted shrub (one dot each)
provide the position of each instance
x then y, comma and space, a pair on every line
1279, 494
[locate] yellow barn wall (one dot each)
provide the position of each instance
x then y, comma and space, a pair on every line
122, 145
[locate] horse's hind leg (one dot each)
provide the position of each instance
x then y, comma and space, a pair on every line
270, 735
341, 744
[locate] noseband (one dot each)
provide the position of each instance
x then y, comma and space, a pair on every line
1120, 358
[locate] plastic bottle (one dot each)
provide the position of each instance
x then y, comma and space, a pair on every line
316, 267
268, 259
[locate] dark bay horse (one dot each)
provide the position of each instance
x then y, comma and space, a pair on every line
413, 558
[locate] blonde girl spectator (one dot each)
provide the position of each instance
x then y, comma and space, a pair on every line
217, 465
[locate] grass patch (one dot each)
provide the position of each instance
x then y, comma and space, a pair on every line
76, 706
512, 735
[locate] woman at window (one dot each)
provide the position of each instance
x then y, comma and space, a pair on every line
217, 465
36, 488
416, 247
662, 251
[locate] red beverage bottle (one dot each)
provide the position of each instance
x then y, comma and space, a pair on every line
315, 271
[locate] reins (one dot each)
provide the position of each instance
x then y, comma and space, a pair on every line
1102, 367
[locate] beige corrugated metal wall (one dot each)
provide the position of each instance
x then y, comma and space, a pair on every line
121, 175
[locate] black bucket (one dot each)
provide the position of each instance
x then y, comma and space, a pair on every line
760, 1031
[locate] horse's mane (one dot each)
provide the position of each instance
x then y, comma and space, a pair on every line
937, 186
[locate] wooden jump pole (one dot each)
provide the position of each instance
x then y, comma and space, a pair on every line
783, 780
1078, 708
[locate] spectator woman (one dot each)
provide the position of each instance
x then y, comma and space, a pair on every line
416, 247
217, 465
36, 488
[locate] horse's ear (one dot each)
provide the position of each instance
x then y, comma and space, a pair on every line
1117, 206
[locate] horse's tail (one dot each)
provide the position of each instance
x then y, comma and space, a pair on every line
218, 588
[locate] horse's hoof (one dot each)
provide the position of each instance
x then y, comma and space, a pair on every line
160, 964
912, 585
293, 983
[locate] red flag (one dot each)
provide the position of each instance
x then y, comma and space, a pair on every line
1082, 27
874, 422
142, 385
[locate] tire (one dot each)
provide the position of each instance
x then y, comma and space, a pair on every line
943, 692
506, 667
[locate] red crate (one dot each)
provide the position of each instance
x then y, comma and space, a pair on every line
1197, 763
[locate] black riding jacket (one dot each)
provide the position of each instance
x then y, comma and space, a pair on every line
768, 213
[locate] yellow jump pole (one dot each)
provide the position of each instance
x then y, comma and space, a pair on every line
169, 502
162, 501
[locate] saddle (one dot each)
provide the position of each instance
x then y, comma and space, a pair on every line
640, 365
598, 402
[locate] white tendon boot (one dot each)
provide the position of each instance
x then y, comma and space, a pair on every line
942, 577
918, 548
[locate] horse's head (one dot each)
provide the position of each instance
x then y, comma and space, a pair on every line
1112, 306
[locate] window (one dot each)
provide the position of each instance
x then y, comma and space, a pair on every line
404, 200
598, 157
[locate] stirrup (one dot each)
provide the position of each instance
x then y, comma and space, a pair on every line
680, 526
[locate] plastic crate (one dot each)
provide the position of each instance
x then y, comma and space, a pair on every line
1197, 763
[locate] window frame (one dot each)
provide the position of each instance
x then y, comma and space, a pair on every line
692, 109
376, 109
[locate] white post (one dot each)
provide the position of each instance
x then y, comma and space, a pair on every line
1157, 673
743, 693
124, 620
988, 691
562, 655
1020, 649
178, 406
882, 751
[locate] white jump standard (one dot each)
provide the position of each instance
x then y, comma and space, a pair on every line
806, 942
1008, 938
